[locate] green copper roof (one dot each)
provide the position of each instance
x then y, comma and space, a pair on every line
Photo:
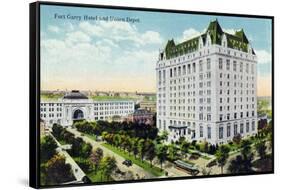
237, 41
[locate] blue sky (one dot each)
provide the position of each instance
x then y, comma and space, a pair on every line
100, 55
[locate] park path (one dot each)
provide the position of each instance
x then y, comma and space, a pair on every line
137, 171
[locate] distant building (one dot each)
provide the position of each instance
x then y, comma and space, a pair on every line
76, 106
141, 116
148, 105
207, 87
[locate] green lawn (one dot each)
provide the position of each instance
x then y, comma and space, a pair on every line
143, 164
93, 137
98, 177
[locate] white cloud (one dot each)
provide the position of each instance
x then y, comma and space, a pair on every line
88, 52
54, 29
229, 30
264, 57
190, 33
77, 37
151, 37
107, 42
120, 31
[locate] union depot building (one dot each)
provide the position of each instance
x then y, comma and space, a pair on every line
206, 87
77, 106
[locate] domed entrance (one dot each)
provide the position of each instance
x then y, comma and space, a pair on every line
78, 115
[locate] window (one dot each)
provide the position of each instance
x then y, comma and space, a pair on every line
241, 67
194, 67
221, 132
208, 63
247, 127
241, 128
201, 131
234, 65
220, 63
235, 129
171, 73
253, 125
201, 116
227, 64
228, 130
209, 117
221, 117
200, 65
209, 132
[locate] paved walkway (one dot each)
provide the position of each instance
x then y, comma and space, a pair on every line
137, 171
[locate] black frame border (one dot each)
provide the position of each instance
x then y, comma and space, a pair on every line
34, 91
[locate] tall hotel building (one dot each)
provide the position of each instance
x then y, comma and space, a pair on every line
206, 87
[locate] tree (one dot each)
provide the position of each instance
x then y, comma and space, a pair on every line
173, 152
204, 147
246, 148
184, 146
237, 139
261, 149
161, 153
47, 148
57, 130
57, 171
163, 136
141, 148
181, 140
135, 146
242, 163
86, 150
108, 166
117, 140
130, 144
236, 165
222, 155
77, 146
150, 151
96, 157
104, 134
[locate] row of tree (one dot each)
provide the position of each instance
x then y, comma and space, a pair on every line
127, 128
143, 148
